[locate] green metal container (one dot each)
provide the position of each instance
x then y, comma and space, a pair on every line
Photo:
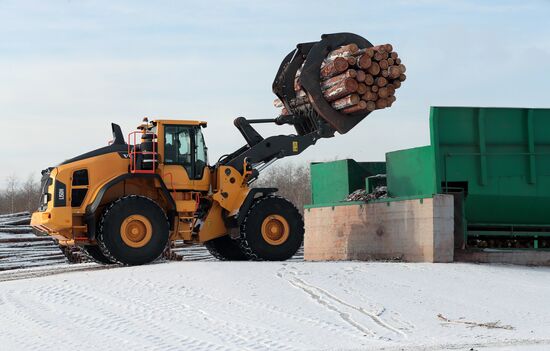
411, 172
333, 181
500, 157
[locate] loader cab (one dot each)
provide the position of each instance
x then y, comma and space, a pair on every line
183, 162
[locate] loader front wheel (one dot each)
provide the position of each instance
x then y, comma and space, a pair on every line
273, 230
133, 230
225, 249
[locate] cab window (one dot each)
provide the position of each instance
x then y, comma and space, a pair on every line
177, 147
184, 145
200, 155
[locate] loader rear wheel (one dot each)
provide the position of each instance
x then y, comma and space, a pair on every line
133, 230
273, 230
225, 249
95, 254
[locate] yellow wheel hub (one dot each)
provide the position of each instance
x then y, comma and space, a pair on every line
275, 229
136, 231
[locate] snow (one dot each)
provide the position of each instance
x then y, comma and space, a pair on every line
278, 306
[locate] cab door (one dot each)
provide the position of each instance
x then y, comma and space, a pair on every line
181, 166
176, 163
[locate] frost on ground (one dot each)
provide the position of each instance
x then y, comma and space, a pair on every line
279, 306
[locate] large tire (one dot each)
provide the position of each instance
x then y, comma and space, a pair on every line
133, 230
225, 249
94, 254
273, 230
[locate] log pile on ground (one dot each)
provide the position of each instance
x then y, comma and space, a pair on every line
20, 248
15, 223
355, 80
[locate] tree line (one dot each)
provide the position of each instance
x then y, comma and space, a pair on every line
291, 179
19, 195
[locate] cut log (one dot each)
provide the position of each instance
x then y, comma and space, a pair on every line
381, 103
364, 61
361, 88
394, 72
344, 50
380, 55
346, 87
370, 52
346, 101
383, 92
374, 69
369, 96
361, 75
369, 79
371, 106
350, 73
17, 214
334, 67
381, 81
361, 106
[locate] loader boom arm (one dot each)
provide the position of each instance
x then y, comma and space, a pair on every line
320, 120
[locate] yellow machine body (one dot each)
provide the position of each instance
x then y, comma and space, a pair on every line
70, 204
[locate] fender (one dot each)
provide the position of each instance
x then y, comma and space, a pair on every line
89, 216
247, 203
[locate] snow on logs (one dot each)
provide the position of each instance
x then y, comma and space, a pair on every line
356, 80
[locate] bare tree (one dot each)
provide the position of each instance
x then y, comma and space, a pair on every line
291, 179
17, 196
31, 193
11, 191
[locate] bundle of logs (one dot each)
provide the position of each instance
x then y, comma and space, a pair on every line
355, 80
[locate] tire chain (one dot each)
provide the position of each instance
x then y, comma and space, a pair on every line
74, 254
104, 250
243, 243
215, 252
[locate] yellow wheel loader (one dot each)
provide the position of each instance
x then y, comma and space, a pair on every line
124, 203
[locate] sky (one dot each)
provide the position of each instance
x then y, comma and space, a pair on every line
70, 68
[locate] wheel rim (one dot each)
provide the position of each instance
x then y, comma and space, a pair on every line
136, 231
275, 229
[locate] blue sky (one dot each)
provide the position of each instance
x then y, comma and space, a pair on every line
69, 68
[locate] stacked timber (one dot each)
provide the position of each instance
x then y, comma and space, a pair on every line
355, 80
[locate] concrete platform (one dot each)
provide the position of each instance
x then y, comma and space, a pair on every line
519, 257
419, 230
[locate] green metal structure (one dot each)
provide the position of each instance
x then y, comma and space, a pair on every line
496, 161
498, 158
331, 182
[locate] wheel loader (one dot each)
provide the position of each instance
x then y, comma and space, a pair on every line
125, 202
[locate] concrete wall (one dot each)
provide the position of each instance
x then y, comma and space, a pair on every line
419, 230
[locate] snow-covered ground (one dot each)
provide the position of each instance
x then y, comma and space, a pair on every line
279, 306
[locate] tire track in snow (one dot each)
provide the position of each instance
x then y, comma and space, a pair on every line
336, 304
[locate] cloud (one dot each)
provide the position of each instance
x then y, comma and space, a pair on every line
71, 68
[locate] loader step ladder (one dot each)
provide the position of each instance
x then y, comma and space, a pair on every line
143, 156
